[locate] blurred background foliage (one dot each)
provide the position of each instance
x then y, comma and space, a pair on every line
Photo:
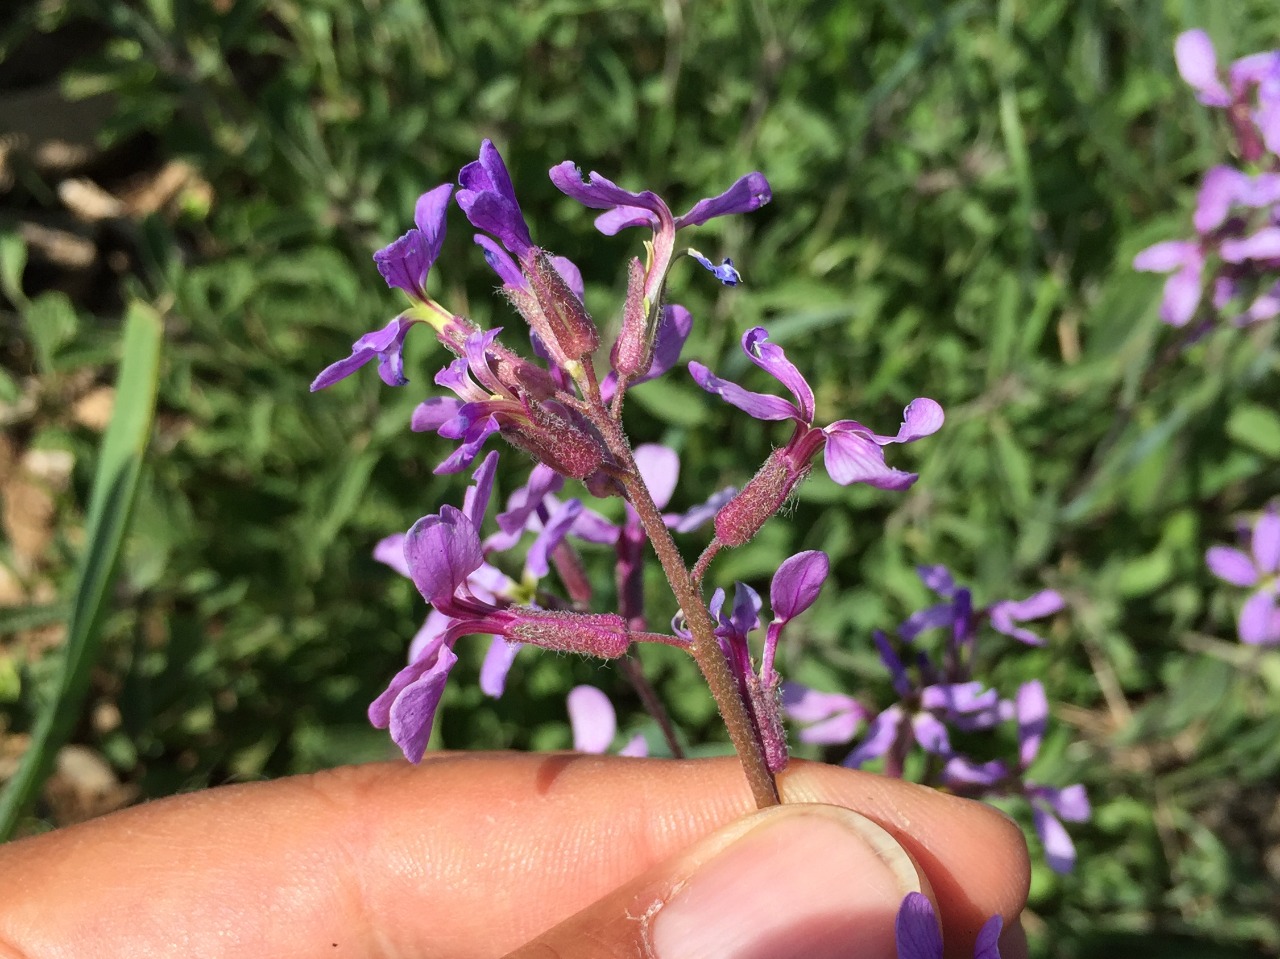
959, 189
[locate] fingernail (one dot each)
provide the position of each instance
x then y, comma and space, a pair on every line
809, 882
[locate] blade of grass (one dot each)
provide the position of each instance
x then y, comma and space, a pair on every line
114, 487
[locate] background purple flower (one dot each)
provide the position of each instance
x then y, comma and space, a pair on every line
1258, 570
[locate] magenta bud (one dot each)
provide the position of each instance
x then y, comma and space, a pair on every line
561, 320
633, 352
522, 377
592, 634
743, 516
566, 447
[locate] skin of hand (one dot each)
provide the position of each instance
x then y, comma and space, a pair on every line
520, 855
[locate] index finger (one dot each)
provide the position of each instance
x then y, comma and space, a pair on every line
467, 855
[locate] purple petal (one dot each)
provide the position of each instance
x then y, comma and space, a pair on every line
830, 717
797, 583
1255, 69
771, 358
960, 699
601, 194
473, 440
922, 417
497, 663
637, 747
748, 193
1032, 711
592, 718
1070, 803
340, 370
695, 516
897, 671
1166, 257
390, 550
475, 502
1059, 850
1263, 245
594, 528
524, 502
405, 262
1231, 565
987, 945
1198, 65
943, 614
916, 929
488, 173
961, 771
1182, 293
442, 550
880, 735
660, 469
380, 708
497, 215
537, 561
1007, 614
613, 222
429, 215
433, 412
745, 615
931, 733
414, 709
501, 262
938, 579
761, 406
1260, 619
1266, 542
854, 457
1222, 187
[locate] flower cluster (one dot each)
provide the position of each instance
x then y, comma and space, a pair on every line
937, 698
1231, 267
1257, 570
560, 402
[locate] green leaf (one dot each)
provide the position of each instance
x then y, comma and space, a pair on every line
51, 323
1256, 427
114, 486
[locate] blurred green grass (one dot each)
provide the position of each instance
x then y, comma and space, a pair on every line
958, 191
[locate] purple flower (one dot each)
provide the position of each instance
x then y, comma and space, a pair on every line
1258, 570
1251, 94
853, 453
794, 588
920, 937
404, 264
1049, 804
488, 199
489, 402
626, 209
825, 718
959, 615
1182, 291
443, 554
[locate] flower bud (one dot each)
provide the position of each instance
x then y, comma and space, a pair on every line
633, 352
744, 515
561, 320
592, 634
570, 449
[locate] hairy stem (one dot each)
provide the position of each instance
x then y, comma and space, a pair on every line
706, 650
